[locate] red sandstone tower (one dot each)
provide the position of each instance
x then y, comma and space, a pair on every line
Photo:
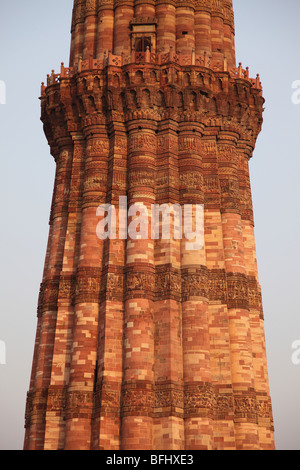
143, 343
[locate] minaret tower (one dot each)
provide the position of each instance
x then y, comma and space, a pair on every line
145, 343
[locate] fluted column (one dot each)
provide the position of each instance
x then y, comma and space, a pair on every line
144, 9
166, 24
246, 431
78, 28
169, 407
220, 359
261, 379
185, 26
73, 35
105, 33
88, 278
194, 278
90, 32
203, 29
124, 13
217, 31
55, 419
107, 414
138, 354
47, 309
30, 395
229, 34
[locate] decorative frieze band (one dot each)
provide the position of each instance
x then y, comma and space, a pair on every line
237, 286
254, 294
122, 3
91, 7
139, 284
199, 400
78, 13
88, 285
185, 3
107, 398
217, 8
113, 285
167, 283
105, 5
214, 401
119, 283
140, 399
169, 397
229, 14
67, 288
218, 286
48, 295
194, 283
79, 404
57, 400
36, 407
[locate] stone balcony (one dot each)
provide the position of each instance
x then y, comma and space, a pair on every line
159, 60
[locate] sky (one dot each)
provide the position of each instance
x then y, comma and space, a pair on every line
34, 39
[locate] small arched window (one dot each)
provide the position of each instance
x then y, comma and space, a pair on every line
142, 44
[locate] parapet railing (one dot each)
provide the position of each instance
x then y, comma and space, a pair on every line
111, 60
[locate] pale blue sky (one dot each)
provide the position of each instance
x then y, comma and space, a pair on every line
34, 38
